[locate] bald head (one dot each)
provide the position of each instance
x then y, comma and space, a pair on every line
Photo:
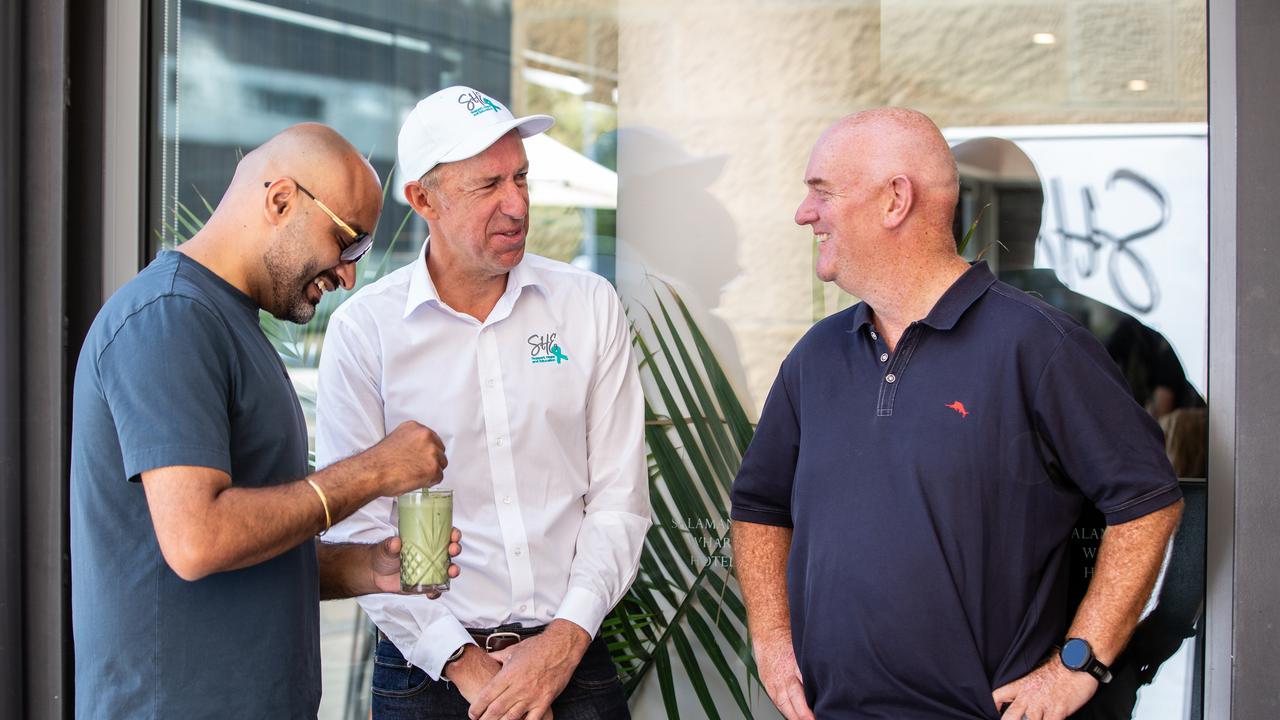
317, 156
882, 193
879, 144
294, 205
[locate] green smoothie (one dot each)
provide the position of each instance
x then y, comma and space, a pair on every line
426, 521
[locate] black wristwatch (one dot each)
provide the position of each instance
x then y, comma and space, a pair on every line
1077, 655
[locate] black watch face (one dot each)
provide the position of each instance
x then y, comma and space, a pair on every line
1076, 653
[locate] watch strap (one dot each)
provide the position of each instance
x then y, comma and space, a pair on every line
1099, 671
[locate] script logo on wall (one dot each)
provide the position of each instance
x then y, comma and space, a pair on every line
1125, 220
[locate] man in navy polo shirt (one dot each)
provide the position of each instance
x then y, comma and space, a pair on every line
902, 515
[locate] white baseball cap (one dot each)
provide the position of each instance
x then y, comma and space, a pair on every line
454, 124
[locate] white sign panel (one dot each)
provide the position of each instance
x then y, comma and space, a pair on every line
1126, 220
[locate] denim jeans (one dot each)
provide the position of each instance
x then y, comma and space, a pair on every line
402, 691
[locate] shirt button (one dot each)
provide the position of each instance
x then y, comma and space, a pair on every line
500, 441
873, 335
884, 357
890, 378
517, 552
506, 500
490, 383
522, 607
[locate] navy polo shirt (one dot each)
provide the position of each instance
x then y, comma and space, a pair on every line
932, 492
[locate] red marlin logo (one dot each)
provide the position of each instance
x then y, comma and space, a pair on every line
959, 407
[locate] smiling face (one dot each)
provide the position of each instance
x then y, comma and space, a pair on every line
299, 274
842, 206
303, 260
479, 215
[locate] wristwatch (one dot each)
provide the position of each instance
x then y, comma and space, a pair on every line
456, 654
1076, 654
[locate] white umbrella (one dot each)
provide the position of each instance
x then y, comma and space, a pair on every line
562, 177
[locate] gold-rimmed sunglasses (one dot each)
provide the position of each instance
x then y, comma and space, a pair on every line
360, 242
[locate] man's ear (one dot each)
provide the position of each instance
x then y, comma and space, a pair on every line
279, 200
425, 202
899, 199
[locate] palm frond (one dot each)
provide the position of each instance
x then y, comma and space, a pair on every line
696, 431
968, 235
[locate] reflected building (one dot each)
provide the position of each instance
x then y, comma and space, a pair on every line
233, 73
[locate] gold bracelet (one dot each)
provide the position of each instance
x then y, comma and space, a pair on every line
328, 519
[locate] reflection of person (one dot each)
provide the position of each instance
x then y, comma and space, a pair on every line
525, 367
1186, 440
1155, 377
196, 593
1146, 359
673, 231
899, 485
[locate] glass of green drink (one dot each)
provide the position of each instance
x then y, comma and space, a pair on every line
425, 523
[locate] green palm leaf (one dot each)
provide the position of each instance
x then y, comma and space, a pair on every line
694, 618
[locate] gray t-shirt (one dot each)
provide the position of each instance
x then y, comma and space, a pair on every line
176, 371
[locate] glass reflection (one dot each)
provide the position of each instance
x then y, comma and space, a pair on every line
998, 174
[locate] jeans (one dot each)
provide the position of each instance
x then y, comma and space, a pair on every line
402, 691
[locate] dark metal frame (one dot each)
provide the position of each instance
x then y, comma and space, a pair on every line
12, 678
40, 274
1244, 324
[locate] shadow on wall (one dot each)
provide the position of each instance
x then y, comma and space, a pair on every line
672, 230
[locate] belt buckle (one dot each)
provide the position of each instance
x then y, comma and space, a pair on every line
491, 641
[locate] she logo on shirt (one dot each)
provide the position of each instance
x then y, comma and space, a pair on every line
545, 349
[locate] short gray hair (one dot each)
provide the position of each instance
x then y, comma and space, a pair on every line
431, 180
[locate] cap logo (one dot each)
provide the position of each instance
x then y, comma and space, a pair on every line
477, 103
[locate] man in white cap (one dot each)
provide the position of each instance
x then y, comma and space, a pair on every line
524, 367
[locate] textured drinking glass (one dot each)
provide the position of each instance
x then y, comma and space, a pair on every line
425, 523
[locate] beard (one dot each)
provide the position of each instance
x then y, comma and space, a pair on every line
292, 274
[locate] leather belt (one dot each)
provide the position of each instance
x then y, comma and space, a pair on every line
495, 639
499, 638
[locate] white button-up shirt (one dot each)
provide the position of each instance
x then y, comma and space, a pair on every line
541, 414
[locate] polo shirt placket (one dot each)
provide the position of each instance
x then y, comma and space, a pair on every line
897, 365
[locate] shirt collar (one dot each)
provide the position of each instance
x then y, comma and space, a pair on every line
423, 290
963, 293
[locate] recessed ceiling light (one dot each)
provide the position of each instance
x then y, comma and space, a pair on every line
1044, 38
1138, 85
